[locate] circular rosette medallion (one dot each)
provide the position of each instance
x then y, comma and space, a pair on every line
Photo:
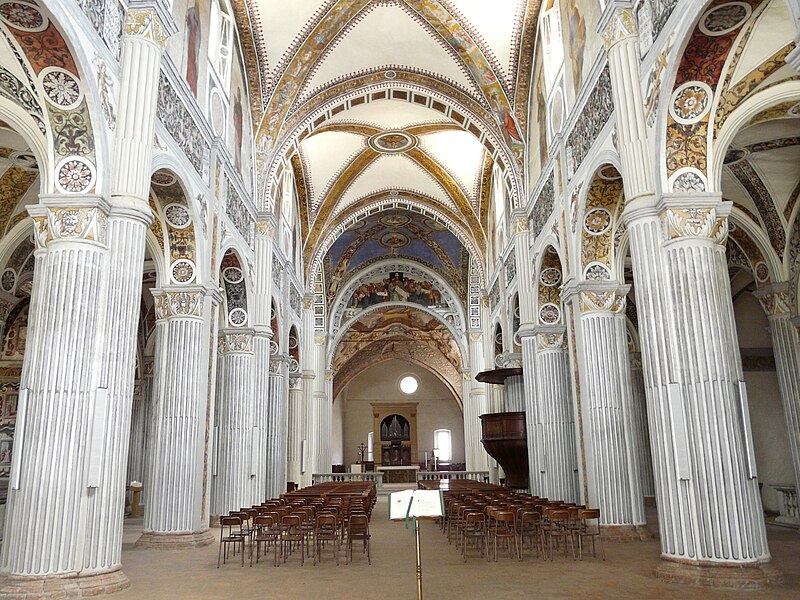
8, 280
550, 276
233, 275
394, 220
392, 142
23, 16
549, 314
237, 317
394, 240
74, 175
597, 272
182, 271
725, 18
690, 102
163, 178
597, 221
61, 88
762, 272
177, 216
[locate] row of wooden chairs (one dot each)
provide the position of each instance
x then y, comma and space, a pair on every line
484, 522
286, 527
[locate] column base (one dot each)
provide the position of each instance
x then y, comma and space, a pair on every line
626, 533
176, 541
19, 587
745, 576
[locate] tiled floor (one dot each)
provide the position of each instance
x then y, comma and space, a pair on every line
627, 572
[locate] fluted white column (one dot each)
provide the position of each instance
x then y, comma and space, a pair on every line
277, 423
139, 419
261, 314
321, 410
175, 479
61, 430
641, 427
777, 300
536, 467
515, 393
611, 456
236, 434
554, 422
710, 514
296, 427
146, 29
476, 403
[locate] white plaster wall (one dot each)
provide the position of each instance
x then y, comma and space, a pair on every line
766, 412
437, 408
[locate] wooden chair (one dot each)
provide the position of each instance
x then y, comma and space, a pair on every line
233, 537
559, 528
589, 527
292, 533
529, 527
475, 530
326, 530
357, 529
504, 529
266, 532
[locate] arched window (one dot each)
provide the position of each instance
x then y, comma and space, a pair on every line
370, 442
442, 445
220, 41
287, 213
552, 42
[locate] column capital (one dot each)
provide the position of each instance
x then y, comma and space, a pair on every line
69, 218
551, 337
509, 360
180, 302
265, 226
150, 20
777, 299
238, 341
597, 296
519, 222
308, 302
694, 216
320, 340
617, 23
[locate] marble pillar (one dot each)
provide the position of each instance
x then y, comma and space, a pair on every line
612, 468
529, 372
710, 516
321, 411
267, 468
237, 434
137, 448
778, 300
476, 403
296, 423
553, 426
176, 477
277, 416
641, 426
61, 442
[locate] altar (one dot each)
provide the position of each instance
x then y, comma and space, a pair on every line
399, 474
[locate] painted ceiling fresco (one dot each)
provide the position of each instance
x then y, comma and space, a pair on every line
395, 330
396, 234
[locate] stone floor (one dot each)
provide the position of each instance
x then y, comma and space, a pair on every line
626, 573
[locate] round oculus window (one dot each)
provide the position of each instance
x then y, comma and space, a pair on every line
408, 384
